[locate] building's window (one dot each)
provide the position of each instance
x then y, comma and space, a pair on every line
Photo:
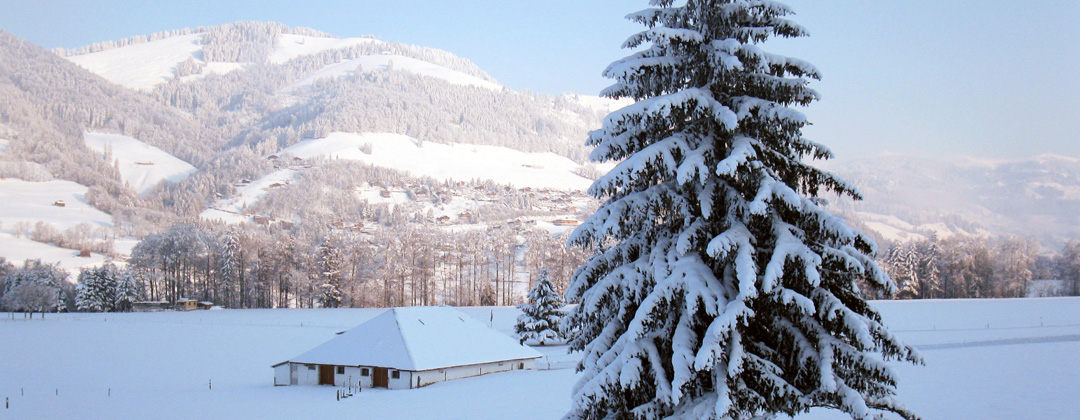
395, 374
310, 367
521, 366
341, 370
363, 372
500, 364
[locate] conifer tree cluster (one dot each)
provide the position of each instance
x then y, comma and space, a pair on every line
914, 269
719, 288
105, 289
540, 321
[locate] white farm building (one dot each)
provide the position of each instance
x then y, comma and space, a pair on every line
407, 348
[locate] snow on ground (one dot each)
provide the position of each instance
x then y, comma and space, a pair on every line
384, 62
162, 366
895, 229
18, 250
373, 195
142, 166
986, 359
1063, 192
33, 202
142, 66
893, 233
290, 46
231, 210
444, 162
213, 67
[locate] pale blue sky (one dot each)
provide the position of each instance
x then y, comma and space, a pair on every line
987, 78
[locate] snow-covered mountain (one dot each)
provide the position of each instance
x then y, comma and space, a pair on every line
251, 122
145, 65
206, 121
909, 197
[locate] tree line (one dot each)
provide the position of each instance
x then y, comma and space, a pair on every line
415, 264
975, 267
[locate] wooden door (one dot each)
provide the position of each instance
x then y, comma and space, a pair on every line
326, 374
381, 378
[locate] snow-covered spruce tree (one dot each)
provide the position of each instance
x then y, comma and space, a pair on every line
107, 288
127, 291
718, 287
330, 264
96, 291
540, 318
902, 264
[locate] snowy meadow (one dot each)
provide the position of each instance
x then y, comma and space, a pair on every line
986, 359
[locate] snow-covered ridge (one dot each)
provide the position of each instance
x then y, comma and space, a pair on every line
910, 197
600, 103
290, 46
384, 62
142, 66
141, 165
447, 161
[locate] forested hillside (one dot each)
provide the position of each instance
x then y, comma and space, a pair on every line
240, 94
253, 225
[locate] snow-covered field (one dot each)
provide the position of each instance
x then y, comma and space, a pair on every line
460, 162
31, 202
18, 250
986, 359
141, 165
25, 201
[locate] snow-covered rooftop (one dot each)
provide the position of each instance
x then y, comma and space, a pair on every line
418, 338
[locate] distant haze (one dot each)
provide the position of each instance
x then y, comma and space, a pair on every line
985, 79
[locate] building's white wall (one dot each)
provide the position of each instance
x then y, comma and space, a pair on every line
428, 377
354, 374
403, 381
281, 374
305, 375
